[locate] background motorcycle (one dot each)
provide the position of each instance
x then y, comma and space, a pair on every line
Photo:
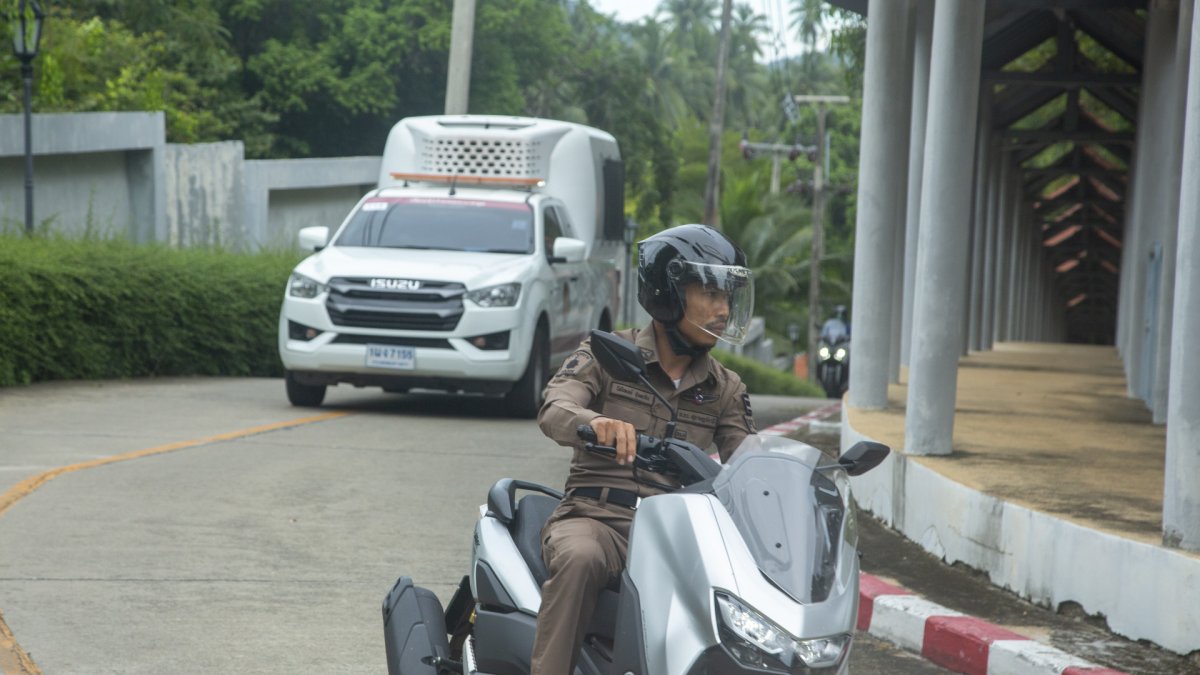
833, 366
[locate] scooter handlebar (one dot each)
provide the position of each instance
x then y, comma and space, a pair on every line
647, 447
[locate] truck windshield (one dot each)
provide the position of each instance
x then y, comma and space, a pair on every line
443, 224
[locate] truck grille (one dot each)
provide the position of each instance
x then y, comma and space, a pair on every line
435, 306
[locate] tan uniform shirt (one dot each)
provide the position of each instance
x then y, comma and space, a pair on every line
711, 399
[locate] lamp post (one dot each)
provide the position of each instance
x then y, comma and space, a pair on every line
27, 34
793, 331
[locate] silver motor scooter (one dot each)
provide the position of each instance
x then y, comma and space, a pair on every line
750, 567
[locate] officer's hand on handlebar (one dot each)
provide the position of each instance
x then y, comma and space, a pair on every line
618, 434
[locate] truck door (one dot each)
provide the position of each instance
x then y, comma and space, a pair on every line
563, 333
582, 283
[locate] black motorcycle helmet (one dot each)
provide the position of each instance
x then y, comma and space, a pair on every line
674, 258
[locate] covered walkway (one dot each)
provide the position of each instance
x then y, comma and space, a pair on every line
1026, 304
1047, 426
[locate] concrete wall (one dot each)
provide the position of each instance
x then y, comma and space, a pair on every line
285, 195
114, 174
204, 195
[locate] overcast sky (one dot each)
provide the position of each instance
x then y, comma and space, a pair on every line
776, 12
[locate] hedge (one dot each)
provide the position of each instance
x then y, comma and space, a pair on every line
97, 309
761, 379
89, 309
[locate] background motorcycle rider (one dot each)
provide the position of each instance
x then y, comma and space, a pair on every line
694, 283
835, 328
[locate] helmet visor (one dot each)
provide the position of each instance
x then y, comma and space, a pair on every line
718, 299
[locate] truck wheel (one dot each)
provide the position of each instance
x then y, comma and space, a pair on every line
303, 395
525, 398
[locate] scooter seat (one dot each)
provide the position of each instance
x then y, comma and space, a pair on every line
532, 513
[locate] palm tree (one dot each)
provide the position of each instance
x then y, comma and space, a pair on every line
746, 77
808, 20
691, 23
666, 74
775, 233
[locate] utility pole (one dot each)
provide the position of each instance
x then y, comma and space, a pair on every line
458, 71
712, 215
777, 151
818, 227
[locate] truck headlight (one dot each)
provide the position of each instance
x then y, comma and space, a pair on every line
300, 286
503, 295
840, 354
758, 642
823, 353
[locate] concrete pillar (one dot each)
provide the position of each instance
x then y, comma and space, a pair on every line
881, 186
988, 309
1003, 225
922, 45
945, 210
1011, 255
1172, 167
1148, 178
1181, 484
979, 222
1013, 218
894, 355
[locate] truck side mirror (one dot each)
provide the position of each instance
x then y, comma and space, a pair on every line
568, 250
313, 238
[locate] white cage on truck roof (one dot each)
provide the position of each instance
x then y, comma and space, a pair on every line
578, 164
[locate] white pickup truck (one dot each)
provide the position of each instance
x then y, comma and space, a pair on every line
489, 249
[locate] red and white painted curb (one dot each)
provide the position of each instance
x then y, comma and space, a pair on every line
955, 641
794, 425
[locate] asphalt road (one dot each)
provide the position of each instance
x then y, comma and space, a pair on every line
236, 542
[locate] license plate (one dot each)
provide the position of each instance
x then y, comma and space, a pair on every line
390, 356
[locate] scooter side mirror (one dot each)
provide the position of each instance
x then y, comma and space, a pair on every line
618, 357
623, 361
863, 456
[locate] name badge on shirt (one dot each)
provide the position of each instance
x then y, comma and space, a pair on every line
632, 393
698, 419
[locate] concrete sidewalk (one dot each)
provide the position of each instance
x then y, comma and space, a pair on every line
1054, 489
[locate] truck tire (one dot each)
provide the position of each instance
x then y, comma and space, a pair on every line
303, 395
525, 398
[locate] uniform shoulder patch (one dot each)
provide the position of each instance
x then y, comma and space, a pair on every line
577, 363
749, 413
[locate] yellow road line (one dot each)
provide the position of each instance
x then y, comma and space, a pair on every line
13, 659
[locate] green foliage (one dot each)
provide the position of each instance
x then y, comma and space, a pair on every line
761, 379
94, 308
330, 78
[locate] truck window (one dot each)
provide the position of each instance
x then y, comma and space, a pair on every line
552, 229
441, 224
564, 222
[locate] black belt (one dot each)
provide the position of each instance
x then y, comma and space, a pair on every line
616, 496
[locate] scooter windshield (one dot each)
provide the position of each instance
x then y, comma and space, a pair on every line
790, 516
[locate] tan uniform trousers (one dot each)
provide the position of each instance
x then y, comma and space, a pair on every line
584, 544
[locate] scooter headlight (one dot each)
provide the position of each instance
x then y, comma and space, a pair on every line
757, 642
840, 354
823, 352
